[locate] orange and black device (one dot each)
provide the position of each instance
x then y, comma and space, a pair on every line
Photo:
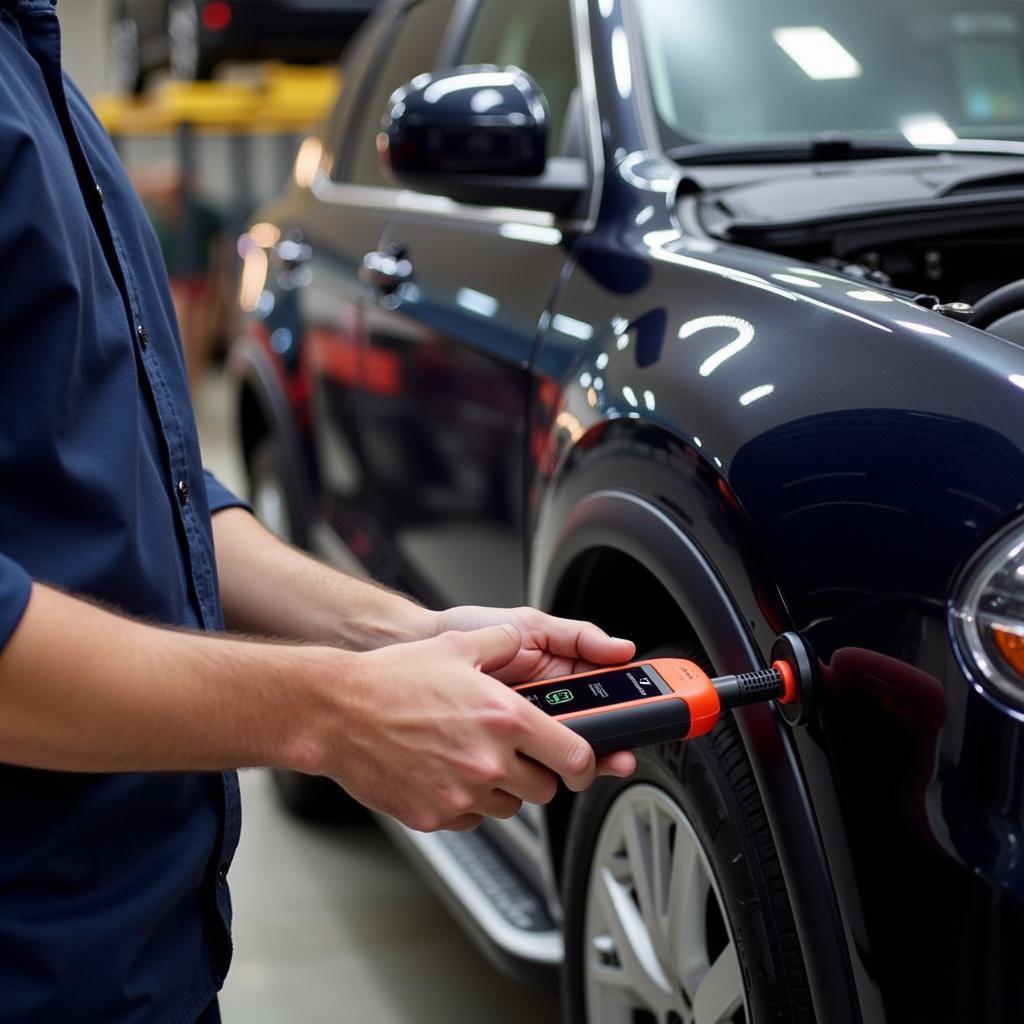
657, 700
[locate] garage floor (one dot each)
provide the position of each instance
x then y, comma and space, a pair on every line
331, 924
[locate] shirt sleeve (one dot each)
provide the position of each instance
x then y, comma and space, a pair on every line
15, 590
219, 497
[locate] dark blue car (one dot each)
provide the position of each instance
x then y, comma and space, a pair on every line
701, 319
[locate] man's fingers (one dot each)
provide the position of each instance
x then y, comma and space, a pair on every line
534, 784
597, 647
491, 648
558, 748
499, 804
582, 641
464, 823
530, 782
621, 764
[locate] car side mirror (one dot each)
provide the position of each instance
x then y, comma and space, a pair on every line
478, 135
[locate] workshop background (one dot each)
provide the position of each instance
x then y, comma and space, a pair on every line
331, 924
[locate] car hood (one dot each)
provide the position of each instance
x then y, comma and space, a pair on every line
807, 201
800, 288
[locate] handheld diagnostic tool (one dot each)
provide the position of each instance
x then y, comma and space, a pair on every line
658, 700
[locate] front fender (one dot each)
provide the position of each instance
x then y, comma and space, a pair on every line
596, 506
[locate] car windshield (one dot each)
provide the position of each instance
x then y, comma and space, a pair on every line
764, 72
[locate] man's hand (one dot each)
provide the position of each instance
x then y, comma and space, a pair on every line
549, 646
433, 739
327, 607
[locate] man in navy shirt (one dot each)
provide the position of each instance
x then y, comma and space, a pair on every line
121, 722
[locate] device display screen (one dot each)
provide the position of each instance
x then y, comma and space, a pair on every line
615, 686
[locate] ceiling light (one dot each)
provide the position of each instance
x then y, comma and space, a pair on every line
817, 52
927, 130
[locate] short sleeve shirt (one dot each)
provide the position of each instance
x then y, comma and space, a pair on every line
113, 900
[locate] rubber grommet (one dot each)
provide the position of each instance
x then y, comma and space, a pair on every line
791, 649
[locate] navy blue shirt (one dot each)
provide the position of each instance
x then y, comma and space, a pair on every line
113, 905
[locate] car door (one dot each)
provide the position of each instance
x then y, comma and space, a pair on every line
343, 214
446, 447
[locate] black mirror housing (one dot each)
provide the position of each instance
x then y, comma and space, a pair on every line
478, 120
477, 134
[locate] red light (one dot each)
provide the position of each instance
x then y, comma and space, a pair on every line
216, 15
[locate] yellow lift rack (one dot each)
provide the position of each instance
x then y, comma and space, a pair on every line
284, 100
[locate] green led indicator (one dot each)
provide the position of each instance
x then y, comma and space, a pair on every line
558, 696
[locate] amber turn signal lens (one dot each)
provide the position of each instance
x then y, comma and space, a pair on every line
1011, 647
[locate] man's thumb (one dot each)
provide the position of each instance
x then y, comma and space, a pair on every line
493, 647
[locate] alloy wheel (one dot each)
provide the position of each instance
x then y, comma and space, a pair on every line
658, 946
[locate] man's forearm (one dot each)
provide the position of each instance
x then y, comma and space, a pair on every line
421, 731
271, 589
82, 689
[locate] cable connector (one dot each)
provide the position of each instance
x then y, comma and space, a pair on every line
789, 681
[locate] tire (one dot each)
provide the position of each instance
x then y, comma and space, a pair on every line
274, 492
274, 497
693, 803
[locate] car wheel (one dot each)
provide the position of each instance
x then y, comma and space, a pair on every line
676, 911
185, 51
277, 507
273, 492
124, 49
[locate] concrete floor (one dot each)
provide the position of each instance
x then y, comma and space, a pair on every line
331, 924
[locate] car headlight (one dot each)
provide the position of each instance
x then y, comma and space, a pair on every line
988, 611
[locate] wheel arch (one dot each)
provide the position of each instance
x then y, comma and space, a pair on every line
261, 409
619, 527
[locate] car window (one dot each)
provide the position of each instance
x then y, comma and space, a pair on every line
411, 52
535, 35
355, 62
927, 71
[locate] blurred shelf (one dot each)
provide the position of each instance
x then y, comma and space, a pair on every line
287, 98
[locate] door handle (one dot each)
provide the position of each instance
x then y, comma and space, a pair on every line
385, 269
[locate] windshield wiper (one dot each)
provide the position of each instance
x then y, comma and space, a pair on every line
830, 146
